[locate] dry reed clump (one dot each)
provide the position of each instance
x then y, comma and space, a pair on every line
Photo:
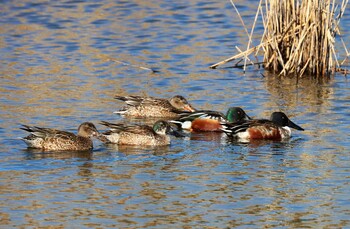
299, 36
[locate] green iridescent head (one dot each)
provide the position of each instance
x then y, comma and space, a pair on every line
236, 114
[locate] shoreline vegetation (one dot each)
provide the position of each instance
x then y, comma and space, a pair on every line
299, 38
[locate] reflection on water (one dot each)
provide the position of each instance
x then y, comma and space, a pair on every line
33, 154
56, 71
130, 149
295, 92
208, 136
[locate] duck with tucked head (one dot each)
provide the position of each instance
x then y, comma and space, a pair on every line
143, 135
277, 128
58, 140
138, 106
207, 120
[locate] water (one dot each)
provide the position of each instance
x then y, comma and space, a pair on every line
57, 71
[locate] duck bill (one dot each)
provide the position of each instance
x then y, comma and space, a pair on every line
295, 126
175, 133
189, 108
248, 117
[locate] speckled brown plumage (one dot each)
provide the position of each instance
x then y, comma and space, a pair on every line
123, 134
139, 106
57, 140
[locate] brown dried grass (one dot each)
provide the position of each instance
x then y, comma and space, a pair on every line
299, 36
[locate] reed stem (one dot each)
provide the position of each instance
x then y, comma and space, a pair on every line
298, 38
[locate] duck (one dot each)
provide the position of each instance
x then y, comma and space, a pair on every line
278, 127
142, 135
49, 139
138, 106
207, 120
